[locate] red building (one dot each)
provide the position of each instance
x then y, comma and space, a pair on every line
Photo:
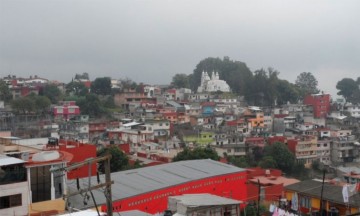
80, 152
147, 189
320, 104
255, 142
274, 139
66, 110
271, 181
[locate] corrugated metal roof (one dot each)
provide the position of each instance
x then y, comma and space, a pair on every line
6, 160
174, 104
197, 200
84, 213
143, 180
133, 213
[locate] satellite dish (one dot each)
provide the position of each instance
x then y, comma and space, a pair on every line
25, 156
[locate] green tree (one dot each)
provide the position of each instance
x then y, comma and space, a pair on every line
108, 102
5, 93
180, 81
42, 104
238, 161
76, 88
348, 88
101, 86
127, 84
119, 160
267, 162
307, 83
197, 153
84, 76
280, 153
52, 92
91, 105
23, 105
235, 73
251, 209
263, 87
299, 171
286, 92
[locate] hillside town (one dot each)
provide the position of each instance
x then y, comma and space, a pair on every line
174, 150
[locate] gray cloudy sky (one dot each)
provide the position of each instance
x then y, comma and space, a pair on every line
151, 40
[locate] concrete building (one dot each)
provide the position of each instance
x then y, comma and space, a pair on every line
14, 187
203, 204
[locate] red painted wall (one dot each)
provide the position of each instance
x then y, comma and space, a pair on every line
125, 147
80, 152
272, 140
231, 186
292, 145
273, 192
320, 103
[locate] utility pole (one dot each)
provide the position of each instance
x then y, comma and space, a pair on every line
107, 183
258, 204
321, 195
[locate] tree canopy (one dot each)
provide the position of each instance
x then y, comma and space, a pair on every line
279, 152
197, 153
307, 83
5, 93
119, 160
52, 92
84, 76
76, 88
101, 86
261, 87
31, 104
349, 89
235, 73
91, 105
180, 81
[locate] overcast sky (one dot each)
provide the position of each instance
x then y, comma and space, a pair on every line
151, 40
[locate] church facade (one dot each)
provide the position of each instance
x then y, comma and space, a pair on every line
213, 83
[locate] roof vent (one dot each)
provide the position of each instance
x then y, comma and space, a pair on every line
267, 172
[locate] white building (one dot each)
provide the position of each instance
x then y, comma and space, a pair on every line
212, 84
14, 187
354, 110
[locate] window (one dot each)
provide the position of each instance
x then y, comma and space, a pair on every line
305, 202
71, 110
60, 110
10, 201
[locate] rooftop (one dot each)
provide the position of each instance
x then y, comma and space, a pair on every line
6, 160
332, 193
144, 180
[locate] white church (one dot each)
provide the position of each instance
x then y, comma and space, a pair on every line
213, 83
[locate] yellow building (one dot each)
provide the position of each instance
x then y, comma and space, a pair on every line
309, 196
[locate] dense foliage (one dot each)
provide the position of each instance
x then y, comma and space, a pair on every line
101, 86
52, 92
5, 93
197, 153
261, 87
349, 89
307, 83
119, 160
